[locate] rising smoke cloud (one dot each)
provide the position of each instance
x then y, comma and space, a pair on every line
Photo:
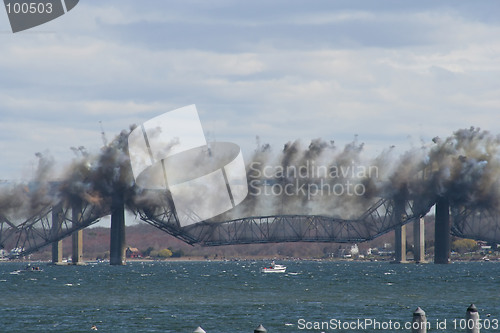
465, 167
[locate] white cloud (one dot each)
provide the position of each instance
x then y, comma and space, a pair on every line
303, 72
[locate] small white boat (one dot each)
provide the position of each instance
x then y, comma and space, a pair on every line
30, 268
274, 268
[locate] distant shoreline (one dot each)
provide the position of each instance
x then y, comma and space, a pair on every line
203, 259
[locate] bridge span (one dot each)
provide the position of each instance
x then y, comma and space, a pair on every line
53, 223
383, 216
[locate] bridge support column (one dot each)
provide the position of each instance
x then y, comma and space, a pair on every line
400, 244
400, 231
419, 240
77, 236
442, 232
117, 236
57, 250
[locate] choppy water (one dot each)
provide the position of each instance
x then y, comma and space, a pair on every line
236, 297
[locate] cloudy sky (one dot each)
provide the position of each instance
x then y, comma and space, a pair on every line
391, 72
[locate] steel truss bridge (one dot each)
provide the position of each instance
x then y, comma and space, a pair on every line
383, 216
55, 222
48, 225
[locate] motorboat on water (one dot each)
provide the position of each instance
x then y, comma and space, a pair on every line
30, 268
274, 268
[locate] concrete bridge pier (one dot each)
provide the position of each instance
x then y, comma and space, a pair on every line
57, 250
400, 245
77, 236
442, 247
117, 236
400, 231
419, 240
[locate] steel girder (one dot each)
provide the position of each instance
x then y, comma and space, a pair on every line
476, 223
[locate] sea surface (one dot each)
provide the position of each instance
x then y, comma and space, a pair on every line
178, 296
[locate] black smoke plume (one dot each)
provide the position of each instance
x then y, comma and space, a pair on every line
465, 168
